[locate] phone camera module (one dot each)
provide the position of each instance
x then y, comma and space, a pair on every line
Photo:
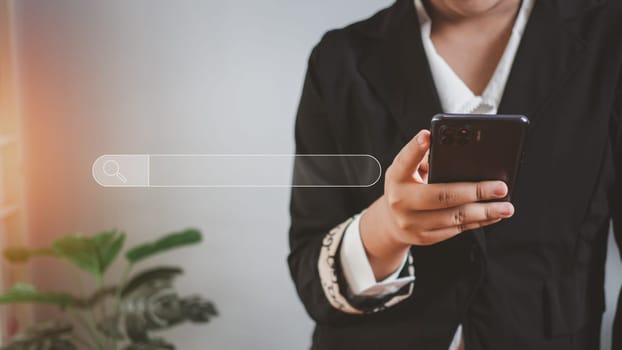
464, 135
446, 134
447, 139
446, 130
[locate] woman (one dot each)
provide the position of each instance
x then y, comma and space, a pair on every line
409, 265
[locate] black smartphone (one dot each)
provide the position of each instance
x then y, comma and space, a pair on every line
476, 147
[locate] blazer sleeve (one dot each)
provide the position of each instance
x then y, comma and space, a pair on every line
616, 201
320, 215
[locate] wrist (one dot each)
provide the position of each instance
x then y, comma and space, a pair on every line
384, 251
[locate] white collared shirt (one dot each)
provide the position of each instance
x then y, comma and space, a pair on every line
455, 97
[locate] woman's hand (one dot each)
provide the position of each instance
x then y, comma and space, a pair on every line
413, 212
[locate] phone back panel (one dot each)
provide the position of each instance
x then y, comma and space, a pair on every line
473, 147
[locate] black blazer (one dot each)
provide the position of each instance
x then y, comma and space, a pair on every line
534, 281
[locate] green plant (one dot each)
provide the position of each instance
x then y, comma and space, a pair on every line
116, 316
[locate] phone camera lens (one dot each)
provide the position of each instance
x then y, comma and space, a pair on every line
446, 131
465, 135
447, 139
447, 134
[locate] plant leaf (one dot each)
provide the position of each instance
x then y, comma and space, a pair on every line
20, 255
92, 254
79, 250
161, 275
25, 293
168, 242
108, 245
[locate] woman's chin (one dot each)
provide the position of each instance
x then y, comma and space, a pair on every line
469, 8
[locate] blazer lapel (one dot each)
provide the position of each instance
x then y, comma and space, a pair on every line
398, 72
548, 53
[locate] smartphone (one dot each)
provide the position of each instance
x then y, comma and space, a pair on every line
476, 147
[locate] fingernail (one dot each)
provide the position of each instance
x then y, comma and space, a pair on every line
420, 138
500, 189
507, 210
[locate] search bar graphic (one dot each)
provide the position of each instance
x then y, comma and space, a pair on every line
236, 170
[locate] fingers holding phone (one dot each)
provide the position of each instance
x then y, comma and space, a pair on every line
425, 214
413, 212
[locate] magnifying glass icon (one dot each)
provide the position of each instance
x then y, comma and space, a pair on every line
111, 168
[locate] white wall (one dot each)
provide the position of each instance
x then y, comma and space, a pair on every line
182, 76
177, 76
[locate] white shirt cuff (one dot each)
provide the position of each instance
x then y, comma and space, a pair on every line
358, 271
